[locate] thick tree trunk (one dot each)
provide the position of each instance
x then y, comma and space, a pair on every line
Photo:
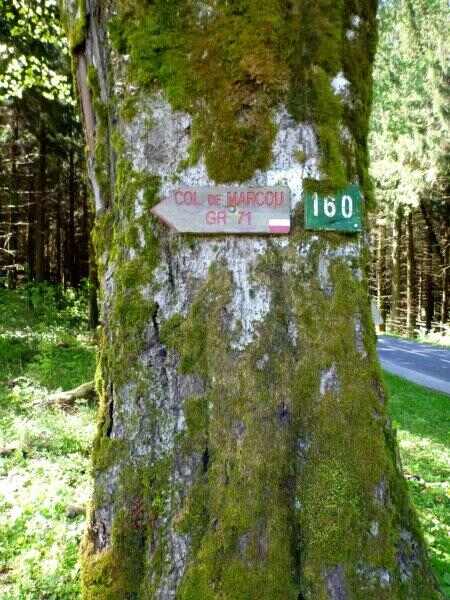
243, 447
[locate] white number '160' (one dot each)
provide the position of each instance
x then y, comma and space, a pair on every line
329, 206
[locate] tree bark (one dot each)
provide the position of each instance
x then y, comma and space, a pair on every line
396, 272
445, 284
410, 278
41, 201
381, 274
243, 446
12, 232
428, 272
71, 251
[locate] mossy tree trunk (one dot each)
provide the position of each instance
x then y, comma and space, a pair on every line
243, 446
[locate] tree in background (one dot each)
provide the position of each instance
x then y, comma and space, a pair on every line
410, 132
45, 216
243, 446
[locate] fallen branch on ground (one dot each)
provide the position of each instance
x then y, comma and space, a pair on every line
86, 391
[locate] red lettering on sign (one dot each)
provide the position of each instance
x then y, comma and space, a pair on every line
279, 199
260, 198
244, 218
216, 217
231, 198
187, 197
214, 199
250, 198
222, 217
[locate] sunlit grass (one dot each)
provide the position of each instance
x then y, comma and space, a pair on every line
422, 418
44, 473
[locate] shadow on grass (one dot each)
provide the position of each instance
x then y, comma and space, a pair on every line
15, 354
62, 365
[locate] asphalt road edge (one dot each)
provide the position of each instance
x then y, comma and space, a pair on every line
427, 381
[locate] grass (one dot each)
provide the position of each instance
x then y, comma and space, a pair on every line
44, 345
422, 418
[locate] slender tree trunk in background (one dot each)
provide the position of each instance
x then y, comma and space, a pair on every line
58, 242
381, 274
31, 231
410, 277
428, 269
12, 244
71, 250
445, 283
243, 448
396, 278
41, 207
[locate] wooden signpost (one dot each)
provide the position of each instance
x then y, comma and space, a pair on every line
239, 210
340, 212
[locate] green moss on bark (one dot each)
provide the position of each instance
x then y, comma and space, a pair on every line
231, 65
74, 20
118, 572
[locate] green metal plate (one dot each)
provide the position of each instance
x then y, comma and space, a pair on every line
339, 212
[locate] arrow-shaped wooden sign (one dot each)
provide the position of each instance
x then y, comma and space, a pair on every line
265, 210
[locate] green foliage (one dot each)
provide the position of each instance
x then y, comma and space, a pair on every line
421, 417
46, 471
410, 123
33, 52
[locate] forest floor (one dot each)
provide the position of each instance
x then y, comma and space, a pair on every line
44, 450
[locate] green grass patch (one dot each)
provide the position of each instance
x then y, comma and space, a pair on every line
44, 346
422, 418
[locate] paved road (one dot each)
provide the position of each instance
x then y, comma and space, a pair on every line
421, 363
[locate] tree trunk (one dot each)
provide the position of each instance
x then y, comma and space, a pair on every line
445, 284
72, 257
12, 232
381, 274
41, 201
58, 243
428, 272
243, 446
396, 272
410, 278
31, 236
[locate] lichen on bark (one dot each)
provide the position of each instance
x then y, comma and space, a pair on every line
243, 447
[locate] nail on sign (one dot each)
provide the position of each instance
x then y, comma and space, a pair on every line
265, 210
